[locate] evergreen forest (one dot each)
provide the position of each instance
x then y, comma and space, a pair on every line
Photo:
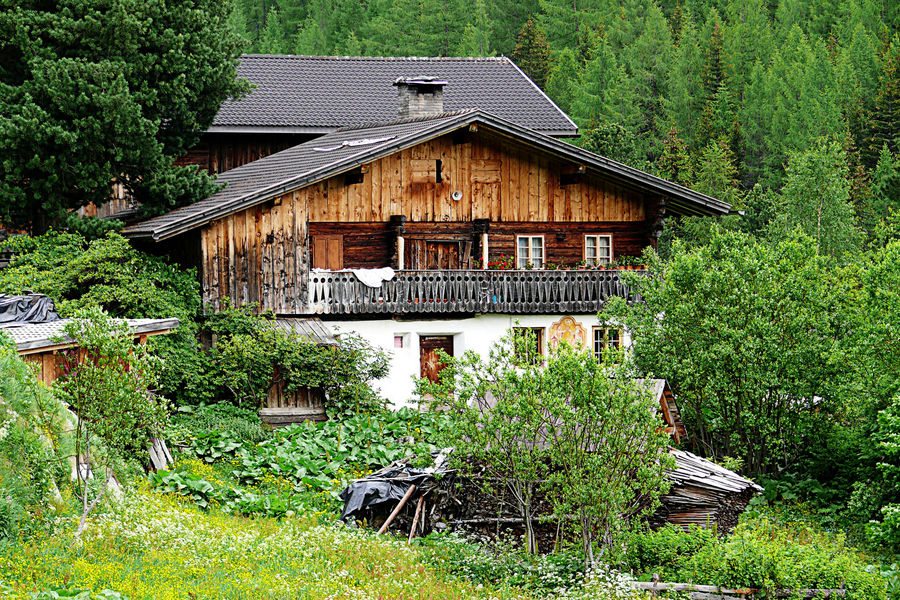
737, 99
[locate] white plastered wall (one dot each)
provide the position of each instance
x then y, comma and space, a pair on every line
476, 333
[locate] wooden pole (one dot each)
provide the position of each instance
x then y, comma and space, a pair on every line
412, 530
397, 510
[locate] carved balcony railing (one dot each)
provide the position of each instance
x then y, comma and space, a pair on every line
470, 291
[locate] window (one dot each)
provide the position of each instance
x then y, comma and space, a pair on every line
597, 249
529, 251
529, 344
606, 339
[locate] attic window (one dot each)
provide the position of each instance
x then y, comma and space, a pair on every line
354, 143
437, 171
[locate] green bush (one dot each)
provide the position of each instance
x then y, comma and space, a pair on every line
764, 553
241, 423
30, 470
665, 550
503, 562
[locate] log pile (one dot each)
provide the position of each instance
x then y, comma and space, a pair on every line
703, 493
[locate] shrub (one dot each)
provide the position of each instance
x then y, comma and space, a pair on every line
665, 550
503, 562
767, 554
241, 423
30, 469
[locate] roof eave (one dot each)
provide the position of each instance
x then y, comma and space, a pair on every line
277, 129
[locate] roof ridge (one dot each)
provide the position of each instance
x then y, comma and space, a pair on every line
443, 115
500, 58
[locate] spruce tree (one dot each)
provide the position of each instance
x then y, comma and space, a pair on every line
476, 38
273, 39
532, 53
675, 163
885, 124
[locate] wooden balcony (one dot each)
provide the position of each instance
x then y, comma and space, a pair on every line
469, 291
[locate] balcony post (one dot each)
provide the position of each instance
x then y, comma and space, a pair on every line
397, 224
480, 229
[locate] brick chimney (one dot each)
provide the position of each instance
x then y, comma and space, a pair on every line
419, 96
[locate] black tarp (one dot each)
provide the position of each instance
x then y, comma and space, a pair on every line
387, 486
21, 310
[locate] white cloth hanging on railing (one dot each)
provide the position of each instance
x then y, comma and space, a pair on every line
373, 278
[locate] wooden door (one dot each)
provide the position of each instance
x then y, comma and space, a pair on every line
428, 351
439, 254
328, 252
442, 255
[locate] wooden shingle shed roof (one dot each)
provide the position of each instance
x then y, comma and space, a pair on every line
318, 94
349, 148
312, 330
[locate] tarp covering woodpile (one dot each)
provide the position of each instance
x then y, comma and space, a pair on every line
704, 494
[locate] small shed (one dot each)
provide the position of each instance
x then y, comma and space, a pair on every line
38, 331
306, 403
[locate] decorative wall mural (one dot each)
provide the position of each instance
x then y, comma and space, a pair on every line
569, 330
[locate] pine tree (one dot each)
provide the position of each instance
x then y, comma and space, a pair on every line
566, 22
684, 102
532, 53
886, 184
714, 65
107, 90
716, 173
646, 63
748, 38
719, 117
600, 84
476, 38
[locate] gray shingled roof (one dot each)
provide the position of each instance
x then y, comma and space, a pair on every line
32, 337
318, 94
346, 149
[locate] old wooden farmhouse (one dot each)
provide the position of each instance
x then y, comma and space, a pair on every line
395, 230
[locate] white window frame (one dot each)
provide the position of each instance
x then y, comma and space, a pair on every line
523, 262
595, 261
520, 334
605, 342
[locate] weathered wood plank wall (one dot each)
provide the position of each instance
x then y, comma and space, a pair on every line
498, 182
218, 152
371, 245
262, 254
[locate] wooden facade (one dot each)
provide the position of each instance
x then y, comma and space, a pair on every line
444, 204
218, 152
